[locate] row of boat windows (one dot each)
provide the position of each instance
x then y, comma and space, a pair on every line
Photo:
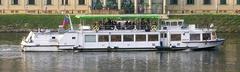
193, 37
118, 38
151, 37
154, 37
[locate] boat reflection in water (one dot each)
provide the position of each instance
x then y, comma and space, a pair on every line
183, 61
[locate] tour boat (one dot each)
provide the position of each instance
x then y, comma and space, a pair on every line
122, 32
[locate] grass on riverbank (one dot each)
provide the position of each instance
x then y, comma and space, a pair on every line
31, 21
223, 23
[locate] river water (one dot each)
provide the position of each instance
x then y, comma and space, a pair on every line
224, 59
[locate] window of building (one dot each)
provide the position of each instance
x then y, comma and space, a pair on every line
15, 2
81, 2
115, 38
223, 2
64, 2
206, 2
190, 2
238, 2
128, 38
31, 2
90, 38
103, 38
175, 37
206, 36
194, 36
173, 2
140, 37
152, 37
49, 2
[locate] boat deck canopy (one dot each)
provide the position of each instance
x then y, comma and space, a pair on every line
120, 16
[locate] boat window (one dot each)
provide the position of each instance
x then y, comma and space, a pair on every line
163, 35
73, 37
128, 37
180, 23
175, 37
194, 36
206, 36
174, 24
103, 38
90, 38
168, 23
153, 37
214, 36
115, 38
53, 37
140, 37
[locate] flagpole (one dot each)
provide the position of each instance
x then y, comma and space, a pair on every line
70, 22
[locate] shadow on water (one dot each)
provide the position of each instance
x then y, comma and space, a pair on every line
224, 59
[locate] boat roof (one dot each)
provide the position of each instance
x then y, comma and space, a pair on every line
119, 16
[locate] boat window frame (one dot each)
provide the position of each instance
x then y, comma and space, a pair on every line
175, 39
214, 35
137, 39
174, 23
74, 38
203, 37
149, 37
128, 36
107, 38
195, 37
85, 39
180, 23
163, 35
167, 23
53, 37
117, 38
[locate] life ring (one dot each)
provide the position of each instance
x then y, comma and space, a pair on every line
96, 28
154, 27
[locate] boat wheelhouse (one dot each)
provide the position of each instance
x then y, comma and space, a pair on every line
123, 32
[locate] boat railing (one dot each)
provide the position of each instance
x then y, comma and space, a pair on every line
124, 27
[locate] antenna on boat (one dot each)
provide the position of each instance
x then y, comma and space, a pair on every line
70, 22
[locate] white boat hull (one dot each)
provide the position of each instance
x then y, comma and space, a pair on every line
191, 45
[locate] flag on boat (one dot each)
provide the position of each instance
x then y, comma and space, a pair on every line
65, 22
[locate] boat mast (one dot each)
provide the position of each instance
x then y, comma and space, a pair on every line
70, 22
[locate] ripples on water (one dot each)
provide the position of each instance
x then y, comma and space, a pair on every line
225, 59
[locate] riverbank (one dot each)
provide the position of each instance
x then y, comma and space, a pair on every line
25, 23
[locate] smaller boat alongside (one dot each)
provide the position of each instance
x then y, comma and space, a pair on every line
123, 32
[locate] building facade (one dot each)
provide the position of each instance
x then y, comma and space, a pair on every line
203, 6
44, 6
119, 6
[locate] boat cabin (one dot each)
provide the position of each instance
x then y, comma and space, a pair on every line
137, 31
